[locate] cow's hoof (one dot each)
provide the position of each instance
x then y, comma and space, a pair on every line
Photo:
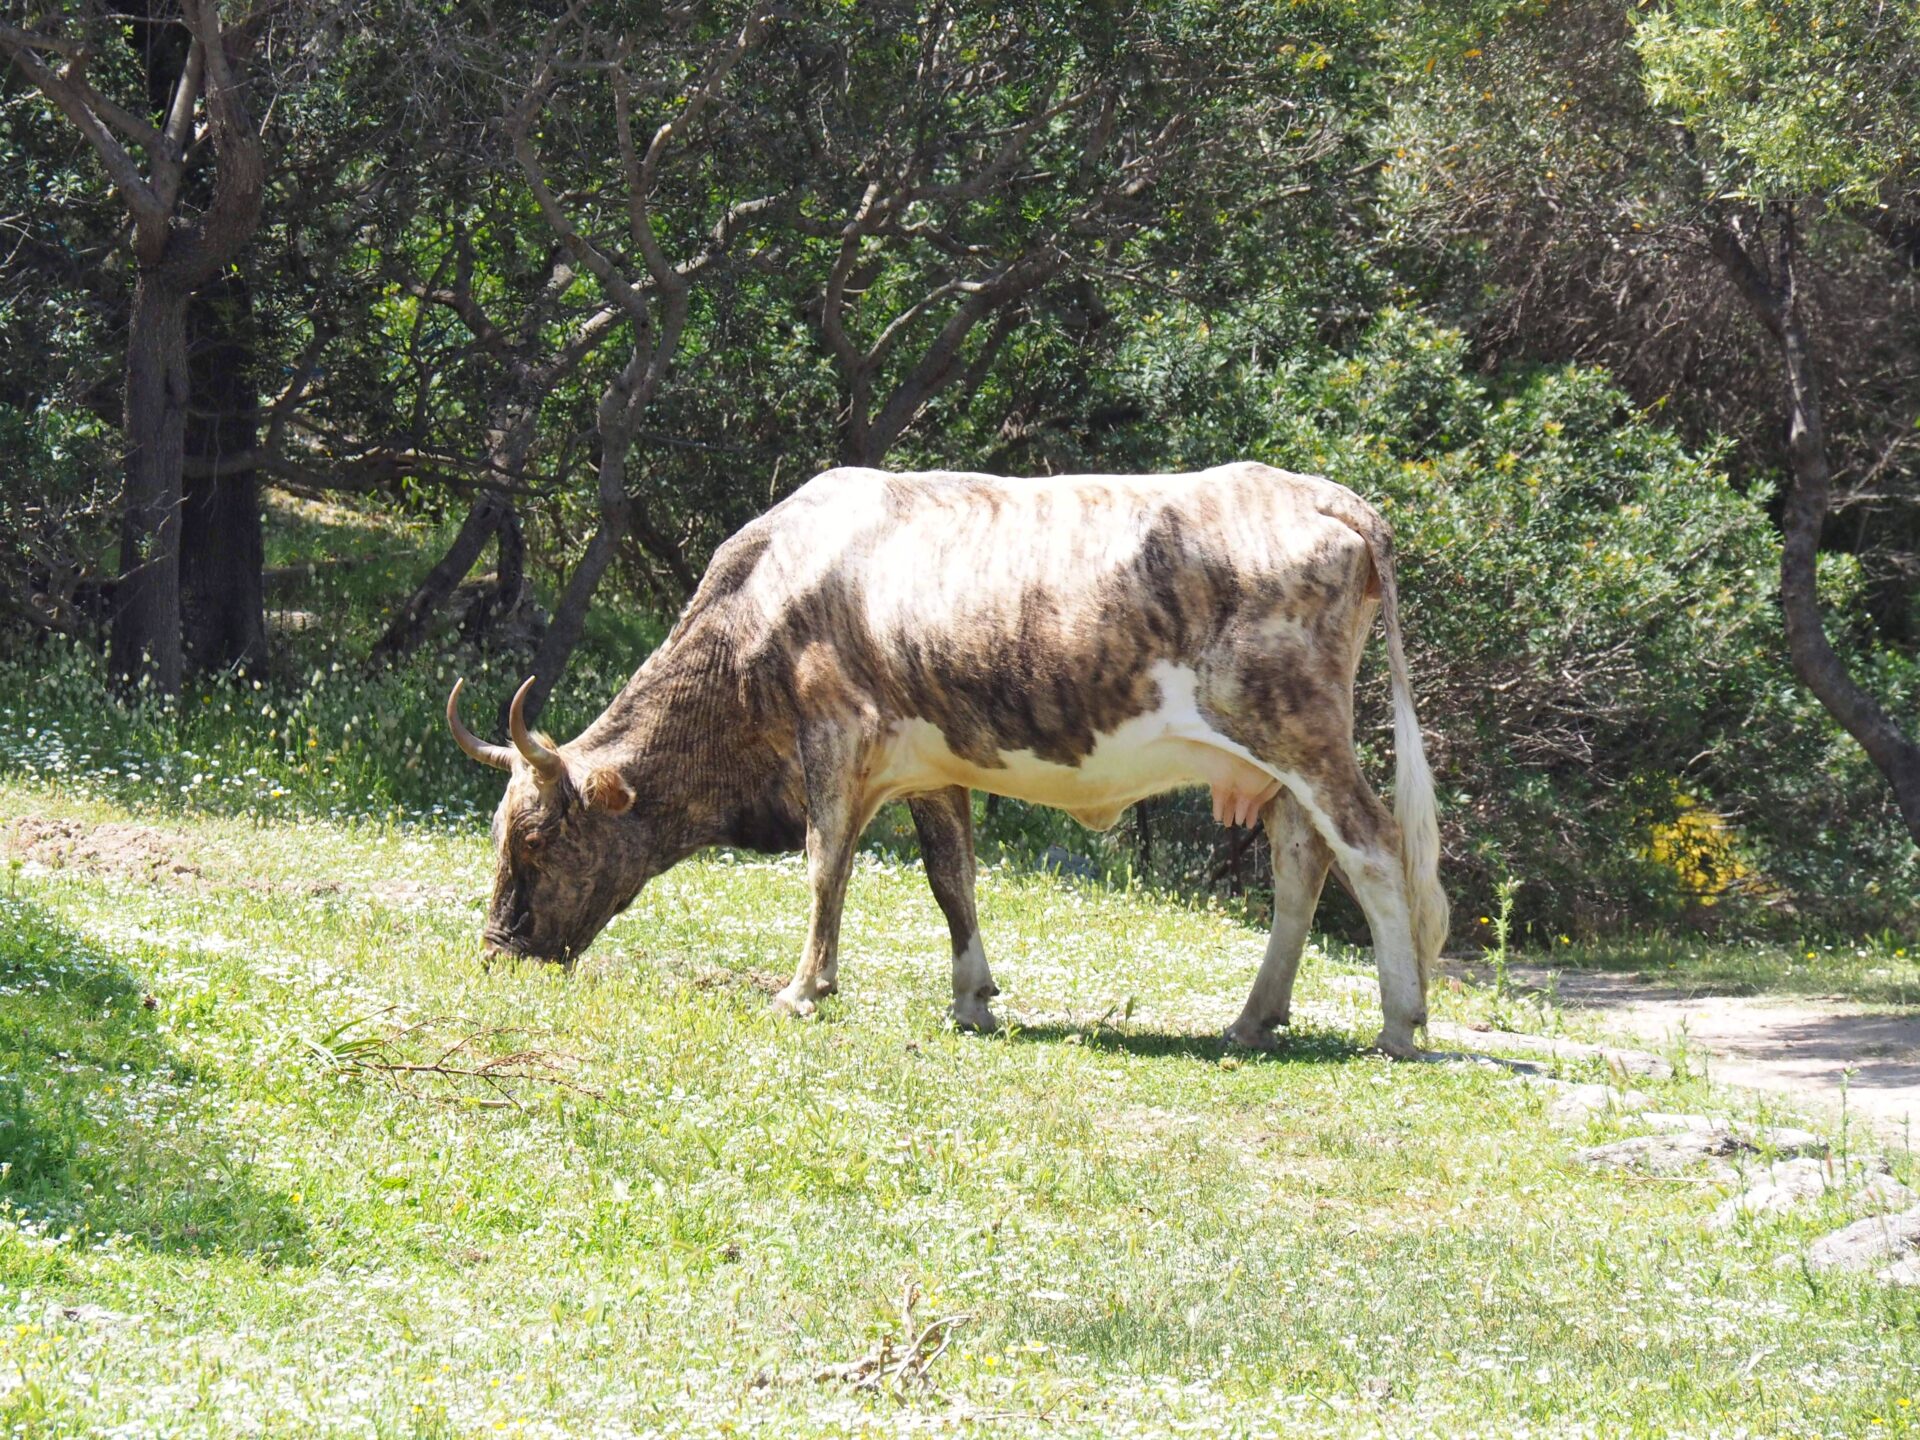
798, 1006
974, 1016
1251, 1035
1397, 1042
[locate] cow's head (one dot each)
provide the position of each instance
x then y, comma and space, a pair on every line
569, 853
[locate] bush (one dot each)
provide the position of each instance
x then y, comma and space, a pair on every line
1596, 646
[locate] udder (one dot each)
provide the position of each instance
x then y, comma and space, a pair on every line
1240, 791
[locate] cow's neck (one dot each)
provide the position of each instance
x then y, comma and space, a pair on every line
681, 736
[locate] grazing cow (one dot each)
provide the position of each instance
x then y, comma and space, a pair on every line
1076, 641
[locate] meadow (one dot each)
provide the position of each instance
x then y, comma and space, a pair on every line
280, 1155
652, 1206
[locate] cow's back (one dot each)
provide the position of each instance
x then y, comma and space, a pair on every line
1030, 614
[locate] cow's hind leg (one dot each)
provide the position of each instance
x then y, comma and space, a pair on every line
835, 818
944, 821
1300, 861
1365, 841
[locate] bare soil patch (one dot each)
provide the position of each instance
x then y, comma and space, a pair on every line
1823, 1054
116, 847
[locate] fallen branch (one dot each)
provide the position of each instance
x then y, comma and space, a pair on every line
891, 1368
394, 1058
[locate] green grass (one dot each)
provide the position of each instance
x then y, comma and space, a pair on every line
1143, 1232
223, 1212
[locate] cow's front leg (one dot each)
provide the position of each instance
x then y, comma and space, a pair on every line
835, 818
1300, 861
944, 821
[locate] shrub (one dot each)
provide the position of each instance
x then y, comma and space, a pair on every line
1590, 609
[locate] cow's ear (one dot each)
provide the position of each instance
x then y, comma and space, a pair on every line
605, 790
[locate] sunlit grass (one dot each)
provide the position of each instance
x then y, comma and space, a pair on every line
218, 1218
1144, 1231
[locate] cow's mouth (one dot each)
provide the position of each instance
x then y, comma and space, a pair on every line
499, 945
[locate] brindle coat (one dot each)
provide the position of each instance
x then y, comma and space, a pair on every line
1078, 641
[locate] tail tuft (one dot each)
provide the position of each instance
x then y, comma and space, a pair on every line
1413, 799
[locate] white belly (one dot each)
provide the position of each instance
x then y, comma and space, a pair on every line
1167, 748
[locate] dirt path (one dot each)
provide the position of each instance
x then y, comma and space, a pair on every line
1817, 1053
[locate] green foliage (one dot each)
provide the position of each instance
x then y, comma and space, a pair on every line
1816, 99
1595, 643
1593, 619
322, 733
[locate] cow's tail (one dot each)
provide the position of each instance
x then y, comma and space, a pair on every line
1413, 802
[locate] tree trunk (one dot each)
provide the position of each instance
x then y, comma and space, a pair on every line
222, 551
146, 600
569, 620
410, 626
509, 577
1820, 669
621, 404
1775, 301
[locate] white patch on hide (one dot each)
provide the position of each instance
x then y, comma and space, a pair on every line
1166, 748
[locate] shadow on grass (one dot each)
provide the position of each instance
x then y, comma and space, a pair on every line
102, 1123
1308, 1047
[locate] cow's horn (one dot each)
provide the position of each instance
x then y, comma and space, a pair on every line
546, 763
498, 756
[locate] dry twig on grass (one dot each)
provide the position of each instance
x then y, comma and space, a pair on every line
891, 1366
421, 1060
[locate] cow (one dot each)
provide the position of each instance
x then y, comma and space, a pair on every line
1081, 641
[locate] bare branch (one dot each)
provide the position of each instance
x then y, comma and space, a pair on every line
149, 211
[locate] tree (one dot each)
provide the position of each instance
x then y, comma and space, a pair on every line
1626, 174
663, 152
179, 240
973, 170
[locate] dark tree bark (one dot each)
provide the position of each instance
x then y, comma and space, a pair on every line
177, 245
145, 633
652, 296
222, 549
526, 378
509, 586
1774, 299
619, 411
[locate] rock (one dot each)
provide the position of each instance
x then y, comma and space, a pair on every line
1525, 1069
1889, 1241
1669, 1154
1882, 1194
1668, 1123
1904, 1272
1783, 1141
1580, 1103
1787, 1184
